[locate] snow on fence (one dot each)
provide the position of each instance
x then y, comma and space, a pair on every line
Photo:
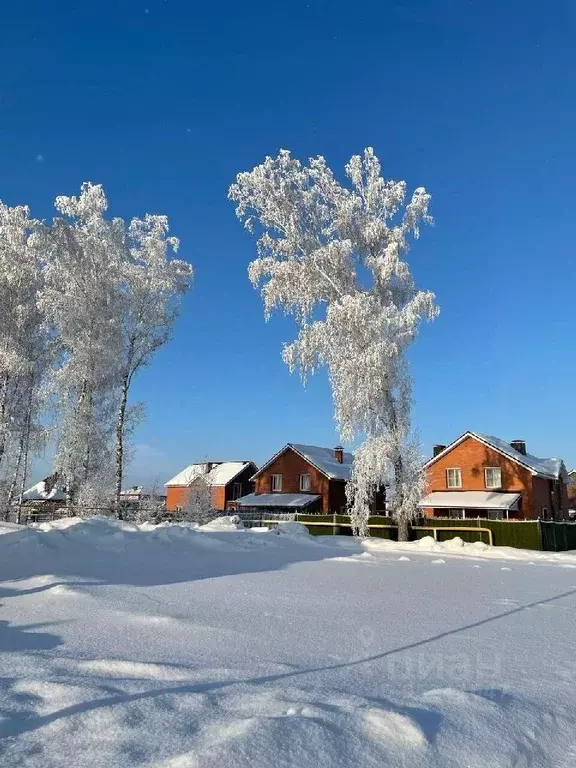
543, 535
540, 535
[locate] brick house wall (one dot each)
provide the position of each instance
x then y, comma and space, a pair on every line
471, 457
177, 497
291, 465
552, 496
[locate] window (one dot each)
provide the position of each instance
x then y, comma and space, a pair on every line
305, 482
276, 482
495, 514
236, 490
493, 477
456, 514
453, 478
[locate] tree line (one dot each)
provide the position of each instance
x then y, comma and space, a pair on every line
86, 300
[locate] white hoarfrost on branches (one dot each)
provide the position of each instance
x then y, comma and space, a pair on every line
82, 303
153, 285
111, 295
332, 256
24, 349
198, 507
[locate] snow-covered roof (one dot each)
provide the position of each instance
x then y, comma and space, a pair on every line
323, 459
221, 472
140, 490
470, 500
277, 500
39, 492
553, 468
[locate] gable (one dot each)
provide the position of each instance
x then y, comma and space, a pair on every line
322, 460
551, 468
472, 456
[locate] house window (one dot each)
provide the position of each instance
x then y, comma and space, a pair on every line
453, 478
236, 490
276, 482
493, 477
456, 514
305, 482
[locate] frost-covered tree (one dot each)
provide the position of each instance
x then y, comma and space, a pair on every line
152, 286
83, 307
25, 349
332, 256
198, 507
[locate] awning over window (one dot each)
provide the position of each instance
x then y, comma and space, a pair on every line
471, 500
292, 500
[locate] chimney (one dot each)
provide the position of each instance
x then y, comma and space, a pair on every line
519, 445
339, 454
208, 466
438, 449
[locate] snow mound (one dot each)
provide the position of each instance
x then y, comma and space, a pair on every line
294, 530
232, 523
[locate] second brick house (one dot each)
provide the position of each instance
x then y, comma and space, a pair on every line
482, 476
301, 478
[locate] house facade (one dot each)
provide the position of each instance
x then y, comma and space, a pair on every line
483, 476
301, 478
228, 480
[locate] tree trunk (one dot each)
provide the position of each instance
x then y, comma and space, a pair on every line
403, 528
25, 470
120, 445
3, 402
14, 479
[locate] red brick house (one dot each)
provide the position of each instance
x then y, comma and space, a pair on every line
482, 476
302, 478
228, 480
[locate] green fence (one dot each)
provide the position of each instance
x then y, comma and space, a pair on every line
540, 535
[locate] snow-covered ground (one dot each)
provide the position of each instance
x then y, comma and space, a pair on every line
182, 648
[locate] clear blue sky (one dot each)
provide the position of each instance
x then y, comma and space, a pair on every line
165, 101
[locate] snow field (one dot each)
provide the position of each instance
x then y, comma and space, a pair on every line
181, 647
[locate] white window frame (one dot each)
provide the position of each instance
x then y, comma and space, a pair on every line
453, 469
492, 487
276, 483
305, 480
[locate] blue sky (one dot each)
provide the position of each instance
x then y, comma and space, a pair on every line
165, 101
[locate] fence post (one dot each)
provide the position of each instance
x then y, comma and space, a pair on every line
334, 524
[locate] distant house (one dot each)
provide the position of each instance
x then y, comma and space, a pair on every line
303, 478
228, 480
47, 495
482, 476
139, 496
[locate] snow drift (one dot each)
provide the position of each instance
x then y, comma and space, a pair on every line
178, 647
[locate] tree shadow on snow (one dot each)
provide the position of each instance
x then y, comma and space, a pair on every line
429, 719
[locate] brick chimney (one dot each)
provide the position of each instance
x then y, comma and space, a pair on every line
438, 449
519, 445
339, 454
